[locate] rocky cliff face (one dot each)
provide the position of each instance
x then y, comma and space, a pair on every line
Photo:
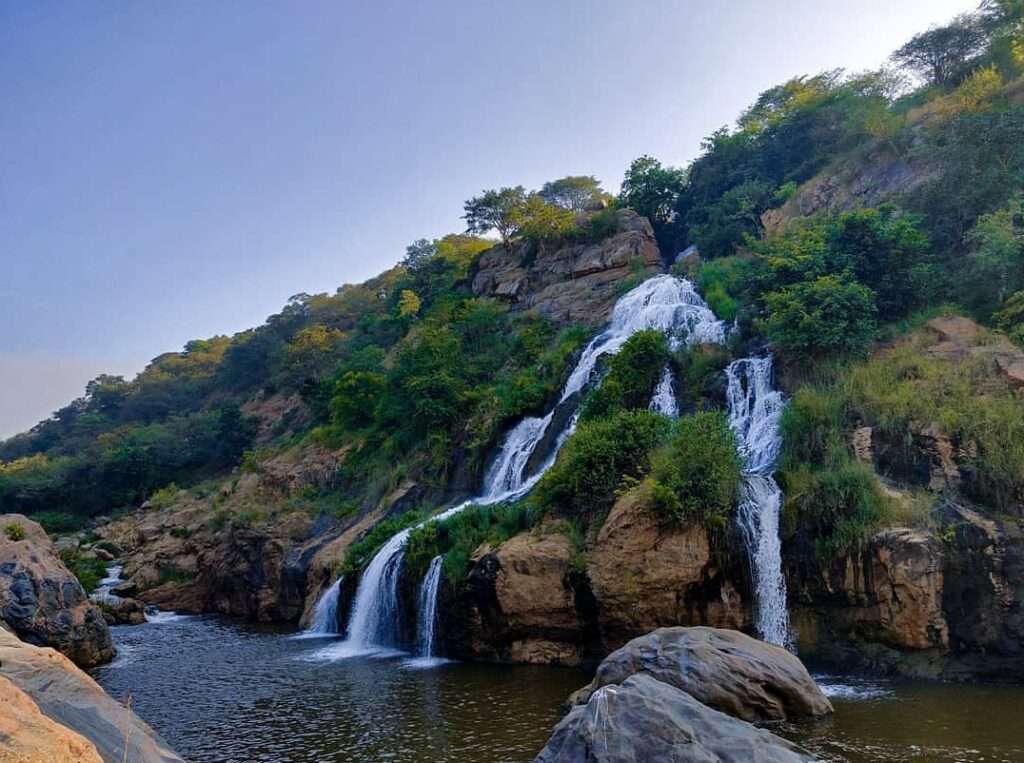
912, 604
537, 599
570, 283
41, 601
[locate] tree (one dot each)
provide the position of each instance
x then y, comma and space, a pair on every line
826, 315
997, 264
408, 304
537, 219
419, 253
939, 54
574, 192
652, 189
499, 210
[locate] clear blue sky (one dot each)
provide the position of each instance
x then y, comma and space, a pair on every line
177, 170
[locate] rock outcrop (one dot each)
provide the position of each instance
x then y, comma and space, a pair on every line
645, 575
685, 695
724, 669
536, 599
570, 283
28, 736
42, 601
70, 698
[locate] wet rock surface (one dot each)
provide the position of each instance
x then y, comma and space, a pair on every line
42, 601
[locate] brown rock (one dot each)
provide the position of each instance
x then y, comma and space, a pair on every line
70, 697
28, 736
43, 602
570, 282
646, 576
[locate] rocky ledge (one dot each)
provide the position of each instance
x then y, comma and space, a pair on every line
570, 282
52, 711
683, 695
42, 601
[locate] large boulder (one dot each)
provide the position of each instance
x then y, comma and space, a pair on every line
42, 601
644, 719
724, 669
28, 736
72, 699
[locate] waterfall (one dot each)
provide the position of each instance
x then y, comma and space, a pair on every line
104, 592
325, 613
663, 302
426, 627
755, 410
664, 400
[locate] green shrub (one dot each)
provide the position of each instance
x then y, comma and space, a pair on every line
812, 426
820, 317
838, 507
164, 497
632, 377
458, 537
59, 522
596, 460
363, 550
723, 283
88, 569
696, 474
14, 531
699, 368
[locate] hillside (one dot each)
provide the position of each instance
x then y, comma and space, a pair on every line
866, 232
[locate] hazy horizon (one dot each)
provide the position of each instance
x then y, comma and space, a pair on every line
178, 172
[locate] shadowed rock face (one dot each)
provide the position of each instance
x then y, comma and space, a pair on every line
724, 669
43, 602
69, 697
644, 719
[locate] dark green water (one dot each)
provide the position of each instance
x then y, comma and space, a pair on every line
221, 691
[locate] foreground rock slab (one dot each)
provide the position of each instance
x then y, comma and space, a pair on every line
644, 719
724, 669
70, 698
42, 601
28, 736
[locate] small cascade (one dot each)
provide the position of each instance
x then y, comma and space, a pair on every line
664, 400
325, 613
426, 628
664, 302
105, 589
755, 410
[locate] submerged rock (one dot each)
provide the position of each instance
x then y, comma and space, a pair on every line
72, 699
725, 669
42, 601
644, 719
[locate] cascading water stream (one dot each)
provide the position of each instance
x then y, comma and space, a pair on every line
325, 613
426, 628
664, 399
104, 592
665, 303
755, 410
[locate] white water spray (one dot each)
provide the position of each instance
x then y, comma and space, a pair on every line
325, 613
426, 628
755, 410
105, 588
664, 399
